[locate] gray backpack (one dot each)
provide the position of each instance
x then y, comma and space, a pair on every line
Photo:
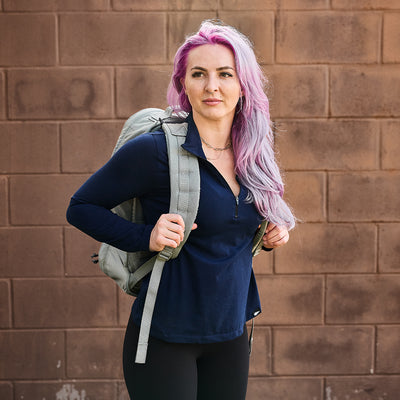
128, 269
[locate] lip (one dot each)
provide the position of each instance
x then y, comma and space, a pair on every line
212, 101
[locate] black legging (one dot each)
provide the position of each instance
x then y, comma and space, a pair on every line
176, 371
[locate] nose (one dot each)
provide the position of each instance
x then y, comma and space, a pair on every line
212, 84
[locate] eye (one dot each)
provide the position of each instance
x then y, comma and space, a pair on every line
226, 75
197, 74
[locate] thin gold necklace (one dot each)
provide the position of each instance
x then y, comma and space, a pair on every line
228, 146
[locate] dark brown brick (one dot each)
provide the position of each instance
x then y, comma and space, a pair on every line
391, 144
363, 299
139, 88
60, 93
32, 354
300, 91
86, 146
112, 38
6, 389
260, 360
31, 252
262, 263
55, 5
309, 204
27, 147
274, 4
83, 302
329, 144
365, 91
364, 197
32, 45
138, 5
284, 389
303, 37
388, 350
258, 27
5, 305
323, 350
389, 248
366, 4
2, 96
50, 196
288, 300
95, 354
3, 200
329, 248
391, 38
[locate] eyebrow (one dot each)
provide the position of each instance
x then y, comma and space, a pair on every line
218, 69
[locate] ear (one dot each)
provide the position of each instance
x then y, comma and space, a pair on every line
182, 81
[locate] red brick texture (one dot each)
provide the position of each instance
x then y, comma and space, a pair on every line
72, 71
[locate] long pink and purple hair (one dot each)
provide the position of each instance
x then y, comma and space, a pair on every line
252, 136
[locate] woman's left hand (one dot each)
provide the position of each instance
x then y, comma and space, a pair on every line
275, 236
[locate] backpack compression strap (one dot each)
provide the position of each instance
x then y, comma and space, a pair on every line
185, 194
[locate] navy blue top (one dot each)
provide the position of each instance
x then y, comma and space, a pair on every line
209, 291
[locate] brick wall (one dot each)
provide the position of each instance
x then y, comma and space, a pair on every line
71, 71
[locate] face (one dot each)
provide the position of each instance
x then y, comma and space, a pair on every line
211, 83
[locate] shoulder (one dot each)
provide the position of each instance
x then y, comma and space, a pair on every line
146, 145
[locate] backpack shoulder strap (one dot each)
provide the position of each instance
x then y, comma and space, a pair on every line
257, 241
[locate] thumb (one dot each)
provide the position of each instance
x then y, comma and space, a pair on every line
194, 227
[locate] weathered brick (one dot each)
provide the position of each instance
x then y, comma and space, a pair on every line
284, 389
329, 144
139, 88
206, 5
323, 350
363, 299
94, 354
309, 204
258, 27
27, 147
3, 200
114, 38
391, 37
32, 45
60, 93
311, 37
391, 144
49, 196
83, 302
362, 388
139, 5
2, 96
300, 91
262, 263
124, 307
274, 4
365, 91
55, 5
122, 392
86, 146
32, 354
366, 4
388, 350
182, 24
329, 248
389, 248
31, 252
287, 300
6, 389
5, 305
260, 360
364, 197
66, 390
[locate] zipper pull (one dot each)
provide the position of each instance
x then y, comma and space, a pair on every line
237, 206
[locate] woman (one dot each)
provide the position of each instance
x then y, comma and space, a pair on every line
198, 346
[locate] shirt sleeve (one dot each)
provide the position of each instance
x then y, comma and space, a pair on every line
129, 173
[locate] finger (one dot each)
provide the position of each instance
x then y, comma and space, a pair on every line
194, 226
270, 226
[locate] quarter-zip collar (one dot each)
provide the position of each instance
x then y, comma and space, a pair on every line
193, 141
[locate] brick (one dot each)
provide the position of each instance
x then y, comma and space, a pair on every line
260, 360
262, 263
389, 248
284, 389
66, 390
366, 4
3, 200
365, 91
390, 144
182, 24
95, 354
308, 205
60, 93
373, 196
329, 248
55, 5
74, 303
6, 389
29, 147
302, 37
205, 5
118, 38
122, 392
36, 39
274, 4
288, 300
258, 27
124, 307
139, 88
50, 195
391, 38
299, 91
78, 250
86, 146
388, 350
139, 5
323, 350
5, 306
32, 354
363, 388
31, 252
328, 144
2, 96
363, 299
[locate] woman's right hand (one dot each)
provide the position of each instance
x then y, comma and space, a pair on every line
168, 231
